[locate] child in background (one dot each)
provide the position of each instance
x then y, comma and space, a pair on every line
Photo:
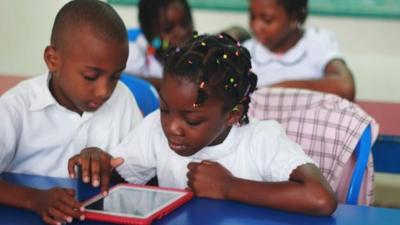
201, 137
164, 23
285, 54
78, 103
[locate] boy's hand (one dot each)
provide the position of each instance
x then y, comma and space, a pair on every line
209, 179
57, 206
96, 166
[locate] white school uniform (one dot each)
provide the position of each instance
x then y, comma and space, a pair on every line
306, 60
140, 63
38, 135
258, 151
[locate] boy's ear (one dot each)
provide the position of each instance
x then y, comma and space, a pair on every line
235, 114
51, 58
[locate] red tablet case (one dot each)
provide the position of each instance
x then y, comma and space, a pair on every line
139, 221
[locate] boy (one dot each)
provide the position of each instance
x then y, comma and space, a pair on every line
79, 103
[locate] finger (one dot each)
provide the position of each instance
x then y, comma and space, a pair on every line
105, 174
192, 165
115, 162
71, 208
58, 215
72, 162
85, 166
95, 168
47, 219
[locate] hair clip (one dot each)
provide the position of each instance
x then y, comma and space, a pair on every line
217, 61
235, 85
237, 53
225, 56
190, 62
220, 36
177, 49
231, 80
203, 43
235, 109
202, 85
226, 87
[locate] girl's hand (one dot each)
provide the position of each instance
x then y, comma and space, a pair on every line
96, 166
209, 179
57, 206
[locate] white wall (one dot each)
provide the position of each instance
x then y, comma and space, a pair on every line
371, 47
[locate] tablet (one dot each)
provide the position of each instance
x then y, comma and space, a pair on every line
134, 204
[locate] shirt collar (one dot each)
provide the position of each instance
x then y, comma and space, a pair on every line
43, 98
263, 56
213, 153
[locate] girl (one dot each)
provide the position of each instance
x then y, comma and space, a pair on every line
164, 23
201, 138
284, 54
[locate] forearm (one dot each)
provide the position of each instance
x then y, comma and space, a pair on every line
17, 196
289, 196
344, 87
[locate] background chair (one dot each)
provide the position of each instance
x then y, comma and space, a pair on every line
145, 94
336, 133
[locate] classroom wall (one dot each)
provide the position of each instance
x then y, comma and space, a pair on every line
370, 46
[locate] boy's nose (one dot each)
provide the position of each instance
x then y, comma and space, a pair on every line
103, 90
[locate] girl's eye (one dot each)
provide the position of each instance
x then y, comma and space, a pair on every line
193, 123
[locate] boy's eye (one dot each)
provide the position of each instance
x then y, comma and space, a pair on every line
90, 76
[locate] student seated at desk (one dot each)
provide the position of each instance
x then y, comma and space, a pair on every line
78, 103
284, 54
201, 138
164, 23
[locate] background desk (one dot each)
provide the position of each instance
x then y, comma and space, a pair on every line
205, 211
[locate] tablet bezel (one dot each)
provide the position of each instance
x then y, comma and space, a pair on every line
183, 196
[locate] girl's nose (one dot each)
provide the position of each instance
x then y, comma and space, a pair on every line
175, 127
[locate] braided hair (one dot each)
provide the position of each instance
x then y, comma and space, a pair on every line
218, 62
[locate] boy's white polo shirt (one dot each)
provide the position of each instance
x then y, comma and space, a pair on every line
305, 61
258, 151
38, 135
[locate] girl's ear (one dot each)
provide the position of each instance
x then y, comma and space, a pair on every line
235, 114
51, 58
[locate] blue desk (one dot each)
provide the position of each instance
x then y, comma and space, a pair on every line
205, 211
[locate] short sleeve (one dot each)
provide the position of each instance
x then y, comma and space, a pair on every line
138, 151
277, 155
325, 46
10, 130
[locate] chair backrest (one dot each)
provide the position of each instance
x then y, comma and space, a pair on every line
145, 94
133, 33
329, 129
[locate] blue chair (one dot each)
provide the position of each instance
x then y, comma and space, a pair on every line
134, 33
145, 94
362, 153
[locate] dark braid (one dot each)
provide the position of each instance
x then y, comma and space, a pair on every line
296, 9
218, 62
150, 13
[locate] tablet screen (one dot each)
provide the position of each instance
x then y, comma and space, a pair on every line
133, 201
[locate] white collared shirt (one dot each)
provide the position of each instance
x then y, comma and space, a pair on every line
306, 60
140, 63
38, 135
258, 151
